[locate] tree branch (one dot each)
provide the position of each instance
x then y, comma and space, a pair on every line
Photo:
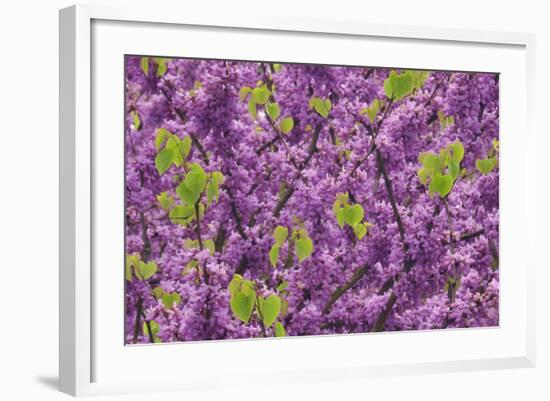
358, 275
290, 191
137, 324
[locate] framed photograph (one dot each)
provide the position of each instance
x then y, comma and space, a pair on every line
340, 199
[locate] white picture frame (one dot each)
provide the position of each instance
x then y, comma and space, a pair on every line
82, 160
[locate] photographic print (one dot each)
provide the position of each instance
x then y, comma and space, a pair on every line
267, 199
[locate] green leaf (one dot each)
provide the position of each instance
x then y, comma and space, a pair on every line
373, 109
174, 143
454, 169
441, 184
163, 160
132, 261
303, 247
260, 94
270, 309
235, 284
192, 186
284, 307
431, 163
353, 214
274, 255
192, 264
272, 110
277, 67
211, 246
165, 201
144, 64
397, 86
213, 187
182, 214
185, 145
160, 135
283, 286
158, 292
286, 125
186, 195
243, 93
280, 234
279, 330
485, 166
190, 244
146, 270
321, 107
423, 175
360, 230
155, 328
419, 78
168, 300
340, 219
242, 305
252, 108
457, 151
136, 120
161, 67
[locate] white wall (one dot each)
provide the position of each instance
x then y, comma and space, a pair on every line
29, 185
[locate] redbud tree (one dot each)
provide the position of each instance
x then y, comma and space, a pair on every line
269, 200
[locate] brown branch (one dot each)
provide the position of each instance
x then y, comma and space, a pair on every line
312, 149
182, 116
468, 236
147, 248
197, 216
358, 275
237, 218
148, 324
387, 183
137, 324
381, 321
219, 240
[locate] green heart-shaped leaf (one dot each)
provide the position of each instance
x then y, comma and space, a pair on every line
340, 217
242, 305
186, 195
441, 184
235, 284
353, 214
182, 214
146, 270
243, 92
397, 86
286, 125
454, 169
274, 255
160, 135
321, 107
260, 95
174, 143
252, 108
168, 300
272, 110
280, 234
360, 230
270, 309
457, 151
195, 180
185, 146
303, 247
279, 330
163, 160
431, 163
485, 166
